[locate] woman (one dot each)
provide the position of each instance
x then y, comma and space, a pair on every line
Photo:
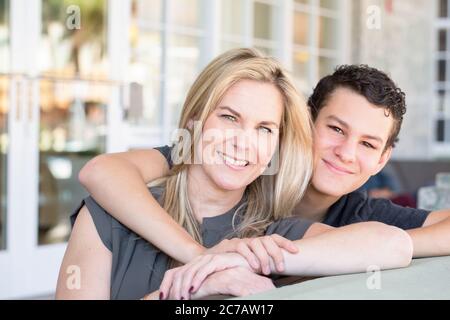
247, 108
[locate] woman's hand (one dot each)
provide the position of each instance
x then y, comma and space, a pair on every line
236, 282
258, 251
179, 283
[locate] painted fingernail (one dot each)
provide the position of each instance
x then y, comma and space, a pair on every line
191, 289
161, 296
182, 298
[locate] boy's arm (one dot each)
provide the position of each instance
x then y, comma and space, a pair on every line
350, 249
433, 238
118, 183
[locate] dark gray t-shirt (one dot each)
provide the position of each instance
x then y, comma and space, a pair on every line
138, 267
358, 207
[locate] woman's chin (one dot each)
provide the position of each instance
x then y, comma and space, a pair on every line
229, 183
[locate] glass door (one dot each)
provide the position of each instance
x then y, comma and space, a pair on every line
4, 86
72, 130
58, 107
5, 255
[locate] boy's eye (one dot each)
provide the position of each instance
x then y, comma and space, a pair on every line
337, 129
368, 145
229, 117
266, 130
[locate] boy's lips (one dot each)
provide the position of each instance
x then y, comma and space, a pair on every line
336, 168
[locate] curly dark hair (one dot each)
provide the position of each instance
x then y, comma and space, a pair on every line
371, 83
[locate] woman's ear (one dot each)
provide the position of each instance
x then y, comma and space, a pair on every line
190, 124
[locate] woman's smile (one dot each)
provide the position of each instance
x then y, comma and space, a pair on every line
235, 164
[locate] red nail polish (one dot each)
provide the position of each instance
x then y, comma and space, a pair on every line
182, 298
161, 296
191, 289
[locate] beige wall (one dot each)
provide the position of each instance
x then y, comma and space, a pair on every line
403, 47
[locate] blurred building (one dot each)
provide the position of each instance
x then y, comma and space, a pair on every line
83, 77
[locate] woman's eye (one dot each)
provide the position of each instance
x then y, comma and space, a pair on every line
334, 128
229, 117
265, 129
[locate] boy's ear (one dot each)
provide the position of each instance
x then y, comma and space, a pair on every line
385, 156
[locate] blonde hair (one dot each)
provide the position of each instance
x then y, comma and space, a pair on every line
269, 197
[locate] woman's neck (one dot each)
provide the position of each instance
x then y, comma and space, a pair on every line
206, 198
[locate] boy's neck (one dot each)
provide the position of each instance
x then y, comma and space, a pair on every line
315, 205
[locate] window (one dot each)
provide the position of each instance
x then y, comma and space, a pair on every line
315, 38
441, 121
264, 21
251, 23
232, 29
78, 51
170, 41
166, 39
443, 9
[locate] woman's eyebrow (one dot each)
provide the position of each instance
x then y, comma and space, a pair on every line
267, 123
237, 114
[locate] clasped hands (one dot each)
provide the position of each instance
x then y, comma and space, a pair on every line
233, 267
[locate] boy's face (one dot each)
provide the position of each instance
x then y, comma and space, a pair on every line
349, 143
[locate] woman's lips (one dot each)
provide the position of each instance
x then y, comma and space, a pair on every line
227, 161
336, 168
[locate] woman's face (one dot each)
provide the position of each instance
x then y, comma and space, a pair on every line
241, 135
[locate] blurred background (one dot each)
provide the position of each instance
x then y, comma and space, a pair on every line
83, 77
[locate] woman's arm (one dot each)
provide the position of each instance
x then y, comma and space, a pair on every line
86, 268
118, 183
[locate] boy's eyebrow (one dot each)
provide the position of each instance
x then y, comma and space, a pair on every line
237, 114
345, 125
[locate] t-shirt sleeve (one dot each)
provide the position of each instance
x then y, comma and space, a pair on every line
166, 151
102, 220
383, 210
292, 228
